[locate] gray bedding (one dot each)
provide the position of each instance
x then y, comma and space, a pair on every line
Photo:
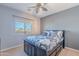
45, 41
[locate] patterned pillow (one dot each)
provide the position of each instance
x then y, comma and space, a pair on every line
59, 34
46, 33
49, 33
52, 34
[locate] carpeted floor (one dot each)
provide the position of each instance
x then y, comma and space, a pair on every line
19, 51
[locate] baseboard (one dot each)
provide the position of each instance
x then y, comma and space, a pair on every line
72, 49
10, 48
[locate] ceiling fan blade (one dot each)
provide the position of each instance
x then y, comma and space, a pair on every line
45, 9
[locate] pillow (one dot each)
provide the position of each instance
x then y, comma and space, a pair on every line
46, 33
52, 34
59, 34
56, 39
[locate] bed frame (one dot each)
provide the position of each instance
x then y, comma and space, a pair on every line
32, 50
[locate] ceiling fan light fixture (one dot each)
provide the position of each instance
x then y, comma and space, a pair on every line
39, 6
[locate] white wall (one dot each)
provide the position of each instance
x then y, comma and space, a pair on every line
9, 38
67, 20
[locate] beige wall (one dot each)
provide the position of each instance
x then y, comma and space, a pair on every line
36, 26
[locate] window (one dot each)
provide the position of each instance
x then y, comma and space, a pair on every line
19, 27
23, 26
28, 26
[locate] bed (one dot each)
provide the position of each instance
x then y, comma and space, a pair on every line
49, 42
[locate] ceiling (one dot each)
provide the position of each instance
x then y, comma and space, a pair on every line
52, 7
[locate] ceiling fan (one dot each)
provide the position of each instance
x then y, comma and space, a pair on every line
39, 6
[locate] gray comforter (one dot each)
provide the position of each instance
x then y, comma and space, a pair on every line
43, 41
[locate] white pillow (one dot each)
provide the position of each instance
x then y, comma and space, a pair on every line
59, 34
56, 39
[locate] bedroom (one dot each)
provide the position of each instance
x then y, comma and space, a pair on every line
18, 22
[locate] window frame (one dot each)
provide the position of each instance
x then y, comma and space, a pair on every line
24, 30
